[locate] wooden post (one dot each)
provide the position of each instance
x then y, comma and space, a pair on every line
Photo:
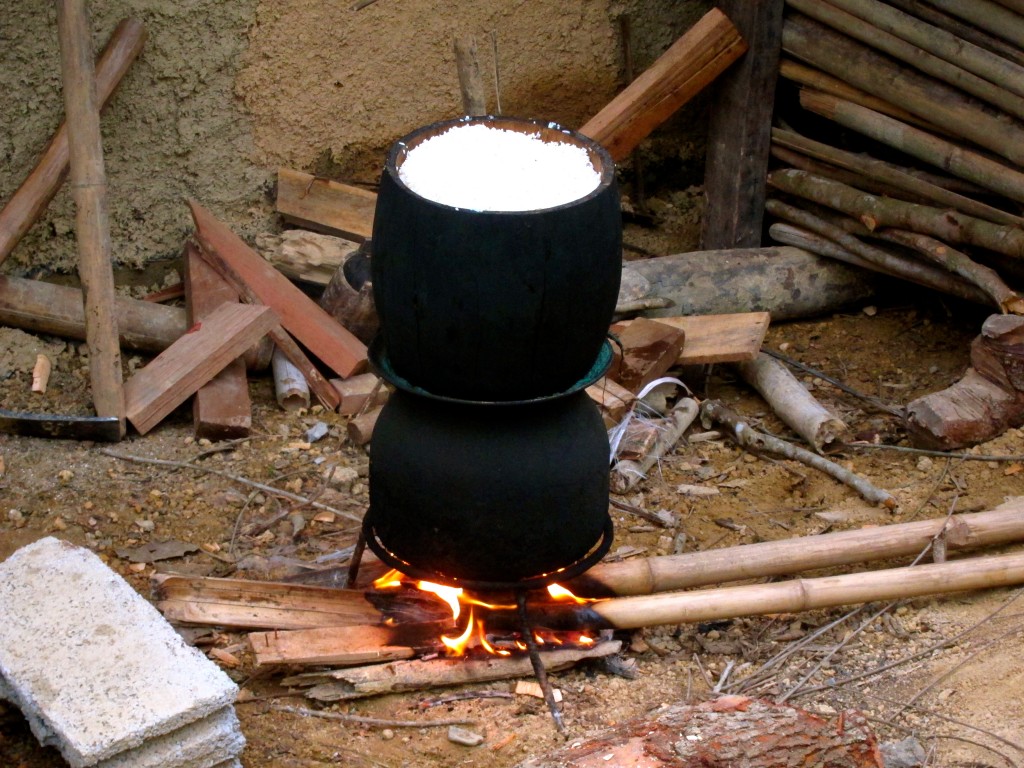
471, 81
739, 134
89, 187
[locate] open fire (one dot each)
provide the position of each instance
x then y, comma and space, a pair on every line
470, 612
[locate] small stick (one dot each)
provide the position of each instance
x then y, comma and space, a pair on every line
471, 82
538, 666
714, 411
357, 559
41, 373
497, 76
372, 721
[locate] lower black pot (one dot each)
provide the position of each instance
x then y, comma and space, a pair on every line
489, 496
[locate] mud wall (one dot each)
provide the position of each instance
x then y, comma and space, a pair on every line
224, 93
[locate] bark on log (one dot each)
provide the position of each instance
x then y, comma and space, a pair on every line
893, 176
870, 34
1002, 525
874, 212
943, 105
727, 732
791, 401
962, 162
787, 282
940, 42
36, 192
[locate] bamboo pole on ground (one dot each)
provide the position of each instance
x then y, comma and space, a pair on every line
958, 160
947, 107
35, 193
89, 187
875, 37
1002, 525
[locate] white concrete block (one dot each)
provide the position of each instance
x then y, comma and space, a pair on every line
202, 744
94, 667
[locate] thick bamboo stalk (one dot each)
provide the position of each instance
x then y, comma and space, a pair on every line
805, 594
911, 54
92, 226
874, 212
1002, 525
35, 193
893, 176
690, 64
939, 42
990, 16
791, 401
941, 104
885, 261
951, 157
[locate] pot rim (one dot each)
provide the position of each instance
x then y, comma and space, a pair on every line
600, 158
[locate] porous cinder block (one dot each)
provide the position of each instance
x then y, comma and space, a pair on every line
93, 666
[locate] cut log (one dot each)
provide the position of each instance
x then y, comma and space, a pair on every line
311, 257
347, 646
787, 282
360, 393
221, 409
353, 307
646, 350
35, 193
58, 310
249, 274
92, 217
740, 129
792, 403
399, 676
360, 429
724, 733
645, 576
686, 68
324, 205
243, 604
998, 352
181, 369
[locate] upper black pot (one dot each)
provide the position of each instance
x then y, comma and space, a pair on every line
495, 305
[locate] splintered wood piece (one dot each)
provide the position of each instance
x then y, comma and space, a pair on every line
686, 68
357, 390
325, 205
612, 398
726, 338
221, 409
727, 728
251, 275
346, 646
299, 254
181, 369
649, 349
415, 675
245, 604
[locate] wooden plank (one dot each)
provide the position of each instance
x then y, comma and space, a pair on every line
181, 369
221, 409
324, 205
648, 350
612, 398
356, 390
241, 603
740, 129
250, 274
690, 64
720, 338
92, 220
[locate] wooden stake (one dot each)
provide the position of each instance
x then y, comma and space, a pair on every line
89, 188
35, 193
471, 81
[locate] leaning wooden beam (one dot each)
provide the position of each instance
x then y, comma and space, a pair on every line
416, 675
221, 408
36, 192
249, 274
92, 219
181, 369
690, 64
870, 34
792, 403
325, 205
58, 310
862, 67
999, 526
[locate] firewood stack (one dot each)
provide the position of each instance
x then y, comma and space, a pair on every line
915, 169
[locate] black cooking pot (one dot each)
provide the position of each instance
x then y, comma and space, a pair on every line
489, 495
495, 305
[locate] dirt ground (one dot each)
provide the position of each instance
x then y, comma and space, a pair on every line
973, 684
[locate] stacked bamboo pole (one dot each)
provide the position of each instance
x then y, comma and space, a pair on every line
940, 95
